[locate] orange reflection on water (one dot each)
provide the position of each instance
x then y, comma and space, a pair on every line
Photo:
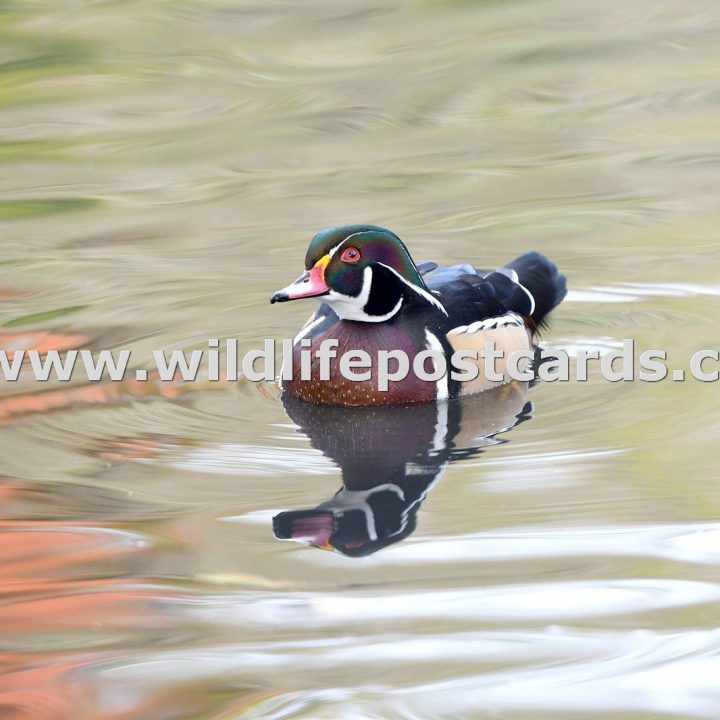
66, 588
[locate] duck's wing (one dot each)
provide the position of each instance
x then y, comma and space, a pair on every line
435, 275
530, 286
471, 297
425, 267
491, 309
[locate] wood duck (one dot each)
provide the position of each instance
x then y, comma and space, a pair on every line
374, 297
390, 458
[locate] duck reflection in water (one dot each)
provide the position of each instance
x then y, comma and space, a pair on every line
390, 458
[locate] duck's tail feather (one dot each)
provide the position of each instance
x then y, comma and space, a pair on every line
541, 278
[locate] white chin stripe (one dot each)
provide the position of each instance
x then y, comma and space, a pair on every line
387, 316
347, 307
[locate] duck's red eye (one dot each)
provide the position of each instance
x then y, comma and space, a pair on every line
350, 255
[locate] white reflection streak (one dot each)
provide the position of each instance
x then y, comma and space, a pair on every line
546, 602
238, 459
560, 670
670, 542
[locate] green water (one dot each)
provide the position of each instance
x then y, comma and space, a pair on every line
164, 165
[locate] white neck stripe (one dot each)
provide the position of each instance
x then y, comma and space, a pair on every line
347, 307
423, 293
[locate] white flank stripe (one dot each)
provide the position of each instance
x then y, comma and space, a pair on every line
436, 346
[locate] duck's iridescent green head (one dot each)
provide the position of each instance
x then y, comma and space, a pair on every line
364, 272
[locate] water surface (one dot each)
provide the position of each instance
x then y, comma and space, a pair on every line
164, 166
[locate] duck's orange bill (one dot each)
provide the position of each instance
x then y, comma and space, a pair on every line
310, 284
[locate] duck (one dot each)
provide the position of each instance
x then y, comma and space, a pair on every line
373, 297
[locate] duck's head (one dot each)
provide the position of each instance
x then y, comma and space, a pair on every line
363, 272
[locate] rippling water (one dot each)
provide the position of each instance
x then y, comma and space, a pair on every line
165, 164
